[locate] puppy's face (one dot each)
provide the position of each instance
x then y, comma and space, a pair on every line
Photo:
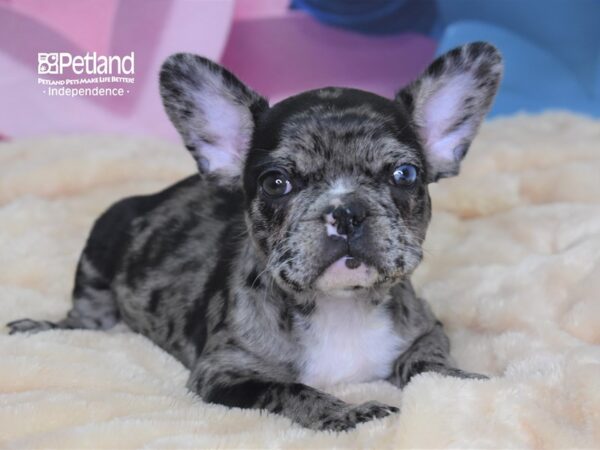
336, 187
335, 179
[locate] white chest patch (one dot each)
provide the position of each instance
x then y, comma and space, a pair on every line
348, 341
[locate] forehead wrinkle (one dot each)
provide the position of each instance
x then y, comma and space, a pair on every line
316, 115
319, 140
394, 152
348, 139
337, 122
365, 154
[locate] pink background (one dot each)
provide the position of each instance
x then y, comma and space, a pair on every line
276, 51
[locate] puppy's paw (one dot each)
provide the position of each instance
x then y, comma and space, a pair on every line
29, 326
457, 373
454, 372
352, 415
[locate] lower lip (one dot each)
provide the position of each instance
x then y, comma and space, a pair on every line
346, 273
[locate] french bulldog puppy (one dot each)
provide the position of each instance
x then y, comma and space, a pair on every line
284, 265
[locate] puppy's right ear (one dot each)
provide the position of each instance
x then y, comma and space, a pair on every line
213, 111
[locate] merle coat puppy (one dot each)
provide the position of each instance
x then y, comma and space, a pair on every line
284, 265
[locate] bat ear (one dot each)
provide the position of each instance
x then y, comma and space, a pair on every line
448, 102
213, 111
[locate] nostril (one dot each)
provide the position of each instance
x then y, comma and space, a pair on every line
358, 215
338, 213
344, 228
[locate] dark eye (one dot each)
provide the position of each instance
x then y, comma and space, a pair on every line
404, 175
275, 184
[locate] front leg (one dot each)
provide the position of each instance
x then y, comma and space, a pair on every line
428, 353
237, 379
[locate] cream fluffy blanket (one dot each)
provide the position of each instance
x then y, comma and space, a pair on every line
512, 268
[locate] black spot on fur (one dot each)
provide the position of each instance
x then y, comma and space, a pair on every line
460, 122
476, 49
155, 298
284, 276
241, 395
296, 389
437, 67
405, 311
286, 255
285, 319
177, 230
194, 264
223, 316
170, 328
228, 204
253, 280
114, 227
306, 308
196, 323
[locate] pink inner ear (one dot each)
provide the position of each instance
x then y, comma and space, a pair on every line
230, 126
443, 149
441, 110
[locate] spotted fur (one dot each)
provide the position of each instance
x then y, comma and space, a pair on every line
268, 299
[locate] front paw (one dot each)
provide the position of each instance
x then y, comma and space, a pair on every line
457, 373
443, 369
29, 326
352, 415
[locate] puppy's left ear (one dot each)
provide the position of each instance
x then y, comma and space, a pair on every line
448, 102
213, 111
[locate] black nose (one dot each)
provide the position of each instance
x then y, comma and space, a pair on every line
349, 217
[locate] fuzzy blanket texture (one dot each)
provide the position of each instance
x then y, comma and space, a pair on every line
512, 268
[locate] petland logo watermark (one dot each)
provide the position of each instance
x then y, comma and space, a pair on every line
68, 73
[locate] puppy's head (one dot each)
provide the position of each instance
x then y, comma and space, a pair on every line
335, 179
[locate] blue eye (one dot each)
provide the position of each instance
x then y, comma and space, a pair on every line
404, 175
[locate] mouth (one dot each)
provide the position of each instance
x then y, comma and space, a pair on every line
346, 273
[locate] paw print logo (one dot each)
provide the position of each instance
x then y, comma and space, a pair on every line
47, 63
